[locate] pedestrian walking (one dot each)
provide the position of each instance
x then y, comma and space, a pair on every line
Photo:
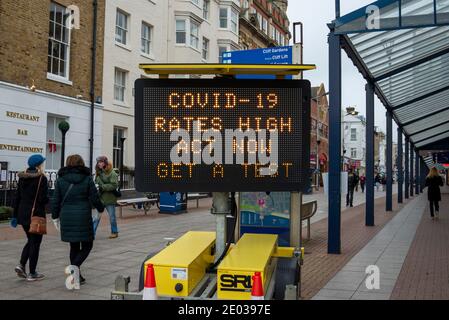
352, 182
377, 181
107, 180
31, 198
434, 182
362, 183
75, 195
384, 182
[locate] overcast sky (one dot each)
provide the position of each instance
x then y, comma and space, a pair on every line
315, 15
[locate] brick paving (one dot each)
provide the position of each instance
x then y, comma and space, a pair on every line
425, 272
319, 267
141, 234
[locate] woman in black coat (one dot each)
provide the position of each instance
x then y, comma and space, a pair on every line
433, 182
75, 195
32, 191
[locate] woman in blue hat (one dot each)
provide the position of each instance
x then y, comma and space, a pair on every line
32, 193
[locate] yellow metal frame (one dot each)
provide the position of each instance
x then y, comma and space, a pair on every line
279, 70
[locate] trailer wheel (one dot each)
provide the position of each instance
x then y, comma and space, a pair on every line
142, 272
287, 273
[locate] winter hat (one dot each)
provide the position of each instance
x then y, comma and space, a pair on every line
102, 158
35, 161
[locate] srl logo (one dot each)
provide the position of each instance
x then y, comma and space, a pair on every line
235, 282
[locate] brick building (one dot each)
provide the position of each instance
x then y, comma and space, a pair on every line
45, 77
319, 137
263, 23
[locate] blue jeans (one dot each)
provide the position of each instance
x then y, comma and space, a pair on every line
112, 219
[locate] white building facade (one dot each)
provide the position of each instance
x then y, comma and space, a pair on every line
155, 31
29, 124
354, 141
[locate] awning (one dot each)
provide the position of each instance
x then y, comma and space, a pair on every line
403, 47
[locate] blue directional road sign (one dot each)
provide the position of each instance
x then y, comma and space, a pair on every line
274, 55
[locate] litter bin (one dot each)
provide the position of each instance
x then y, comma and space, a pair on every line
172, 202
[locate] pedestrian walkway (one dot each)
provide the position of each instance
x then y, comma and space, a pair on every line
319, 266
321, 197
139, 235
387, 251
425, 272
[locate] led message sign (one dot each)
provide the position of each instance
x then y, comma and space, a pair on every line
210, 135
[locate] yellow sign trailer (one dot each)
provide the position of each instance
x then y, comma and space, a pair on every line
181, 268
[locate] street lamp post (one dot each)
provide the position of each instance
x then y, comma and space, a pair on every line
64, 126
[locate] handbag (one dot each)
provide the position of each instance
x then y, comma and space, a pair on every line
38, 224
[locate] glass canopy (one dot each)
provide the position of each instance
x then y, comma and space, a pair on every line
403, 47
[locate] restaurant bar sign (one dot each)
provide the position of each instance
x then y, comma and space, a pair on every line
222, 135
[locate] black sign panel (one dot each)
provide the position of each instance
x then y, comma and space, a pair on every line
167, 106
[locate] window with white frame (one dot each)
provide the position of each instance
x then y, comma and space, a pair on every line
272, 32
59, 41
259, 20
265, 25
354, 153
205, 54
118, 134
282, 41
54, 143
353, 134
206, 9
197, 2
121, 27
223, 17
234, 20
180, 31
194, 34
245, 4
119, 85
147, 33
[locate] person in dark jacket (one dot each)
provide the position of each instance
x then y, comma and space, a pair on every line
353, 180
433, 182
362, 183
32, 191
75, 194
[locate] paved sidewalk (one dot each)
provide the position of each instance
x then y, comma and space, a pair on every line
139, 235
319, 266
425, 272
387, 250
359, 198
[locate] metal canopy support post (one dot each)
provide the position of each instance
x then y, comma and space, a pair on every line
407, 166
399, 165
389, 202
417, 173
424, 172
369, 203
411, 170
334, 204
